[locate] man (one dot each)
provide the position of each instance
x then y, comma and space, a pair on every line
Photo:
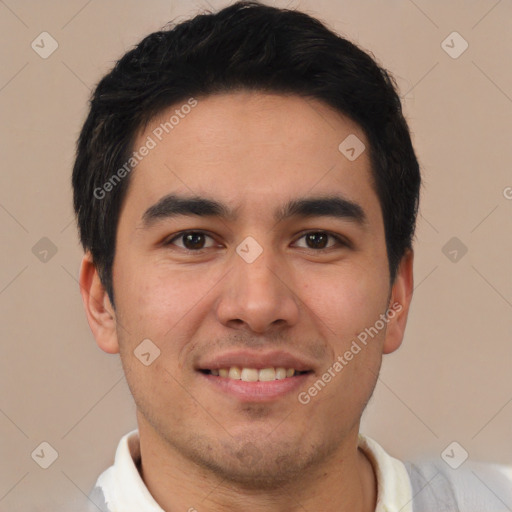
246, 193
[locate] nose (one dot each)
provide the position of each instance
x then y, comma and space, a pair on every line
258, 296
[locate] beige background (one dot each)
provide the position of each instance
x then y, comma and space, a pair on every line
450, 381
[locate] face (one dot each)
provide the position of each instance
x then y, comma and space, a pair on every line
249, 245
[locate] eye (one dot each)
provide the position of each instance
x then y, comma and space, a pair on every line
319, 240
191, 240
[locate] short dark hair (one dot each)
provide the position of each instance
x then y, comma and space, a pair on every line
245, 46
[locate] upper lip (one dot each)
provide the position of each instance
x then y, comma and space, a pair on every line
257, 360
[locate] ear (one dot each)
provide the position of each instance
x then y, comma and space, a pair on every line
398, 308
100, 313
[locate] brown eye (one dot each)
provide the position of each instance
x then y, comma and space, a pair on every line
320, 240
317, 240
191, 240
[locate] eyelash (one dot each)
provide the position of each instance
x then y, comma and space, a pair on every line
339, 240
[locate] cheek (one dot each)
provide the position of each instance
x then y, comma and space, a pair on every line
346, 300
164, 305
159, 306
343, 309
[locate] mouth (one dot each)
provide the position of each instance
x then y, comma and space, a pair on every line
251, 376
254, 374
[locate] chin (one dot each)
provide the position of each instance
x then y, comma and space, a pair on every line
263, 465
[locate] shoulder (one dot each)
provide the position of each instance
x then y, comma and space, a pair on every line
474, 486
431, 485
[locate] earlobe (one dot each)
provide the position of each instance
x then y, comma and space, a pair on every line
98, 308
398, 308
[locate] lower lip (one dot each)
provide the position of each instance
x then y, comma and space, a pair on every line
257, 391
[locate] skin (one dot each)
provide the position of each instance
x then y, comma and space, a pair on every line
203, 448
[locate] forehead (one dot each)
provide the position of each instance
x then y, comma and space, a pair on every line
250, 149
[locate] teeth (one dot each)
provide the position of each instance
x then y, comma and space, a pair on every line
250, 375
254, 375
234, 373
267, 374
280, 373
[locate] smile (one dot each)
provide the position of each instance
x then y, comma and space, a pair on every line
253, 374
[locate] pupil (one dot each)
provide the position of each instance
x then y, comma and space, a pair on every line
194, 240
317, 240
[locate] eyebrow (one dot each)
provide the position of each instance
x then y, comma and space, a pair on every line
173, 205
329, 206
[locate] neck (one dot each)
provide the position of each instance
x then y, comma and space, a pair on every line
344, 483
